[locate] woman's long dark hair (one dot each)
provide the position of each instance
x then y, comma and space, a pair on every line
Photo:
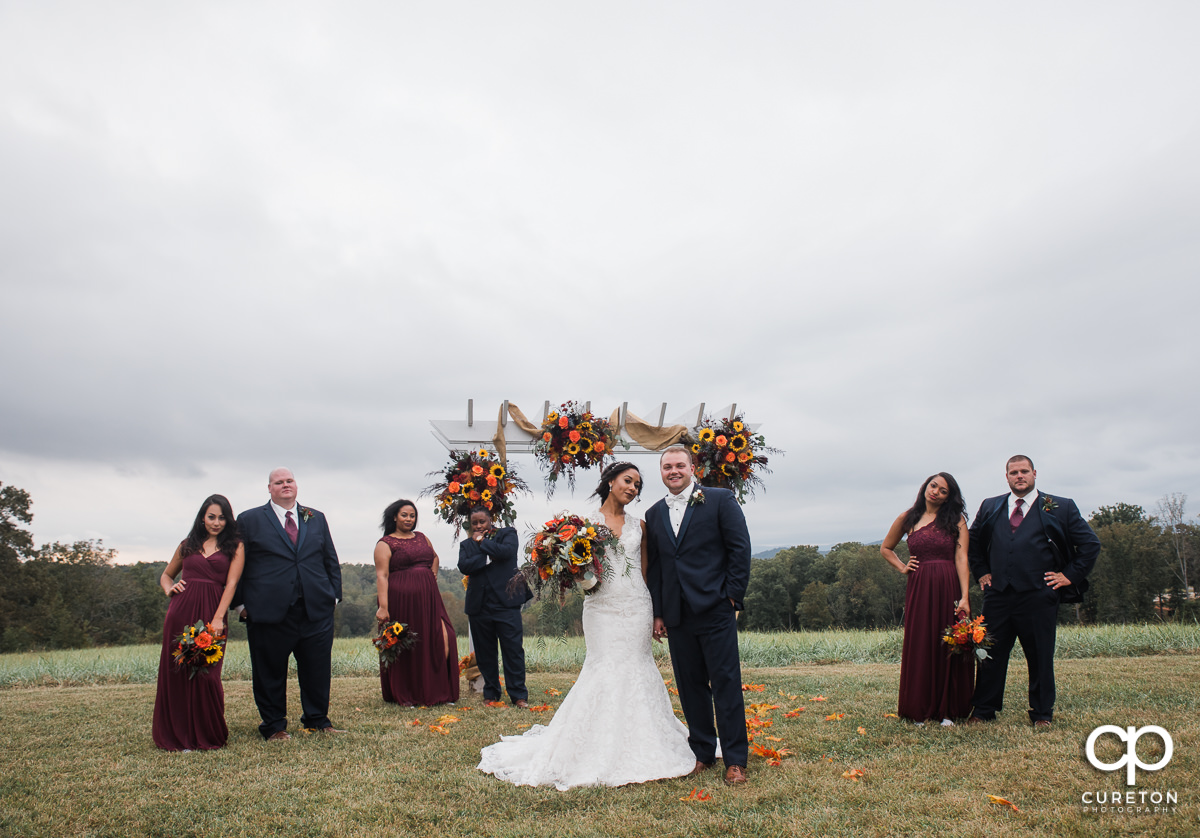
609, 475
389, 515
228, 539
952, 511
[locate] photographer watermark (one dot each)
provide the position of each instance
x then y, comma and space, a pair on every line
1130, 802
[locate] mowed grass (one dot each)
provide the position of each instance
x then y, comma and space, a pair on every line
79, 760
356, 656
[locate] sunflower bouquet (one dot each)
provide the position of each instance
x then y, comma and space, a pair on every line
391, 639
198, 648
968, 635
728, 455
474, 478
572, 438
568, 552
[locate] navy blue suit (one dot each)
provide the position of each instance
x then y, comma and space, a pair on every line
289, 592
692, 578
493, 608
1019, 605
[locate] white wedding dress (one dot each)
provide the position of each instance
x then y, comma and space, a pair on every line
616, 725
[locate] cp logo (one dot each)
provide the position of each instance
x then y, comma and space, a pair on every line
1130, 758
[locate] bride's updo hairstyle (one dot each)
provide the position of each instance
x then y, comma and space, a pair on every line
609, 475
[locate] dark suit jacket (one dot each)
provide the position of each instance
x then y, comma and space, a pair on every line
473, 557
268, 581
1073, 547
707, 562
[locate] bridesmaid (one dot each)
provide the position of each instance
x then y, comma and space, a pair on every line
189, 713
933, 683
406, 568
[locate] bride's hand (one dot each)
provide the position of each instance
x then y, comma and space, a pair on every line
660, 629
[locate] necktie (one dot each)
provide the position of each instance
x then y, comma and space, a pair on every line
1017, 515
289, 527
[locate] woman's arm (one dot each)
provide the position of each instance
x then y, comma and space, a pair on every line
167, 580
437, 562
963, 567
231, 582
888, 548
383, 556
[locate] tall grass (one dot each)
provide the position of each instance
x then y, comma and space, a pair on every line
355, 657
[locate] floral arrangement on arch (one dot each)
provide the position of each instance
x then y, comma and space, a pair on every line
198, 648
568, 552
474, 478
728, 455
968, 636
572, 438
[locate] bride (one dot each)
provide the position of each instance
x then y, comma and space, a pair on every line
616, 725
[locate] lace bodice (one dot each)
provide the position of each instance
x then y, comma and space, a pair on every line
623, 581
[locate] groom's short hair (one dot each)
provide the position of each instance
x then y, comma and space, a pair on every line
683, 449
1015, 458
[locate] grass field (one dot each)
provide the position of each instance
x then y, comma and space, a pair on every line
78, 760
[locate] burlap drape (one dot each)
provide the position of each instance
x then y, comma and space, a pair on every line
650, 437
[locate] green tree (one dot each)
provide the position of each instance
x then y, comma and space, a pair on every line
869, 593
813, 611
1132, 568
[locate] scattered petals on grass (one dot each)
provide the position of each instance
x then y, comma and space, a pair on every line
522, 727
773, 756
818, 698
553, 691
698, 796
672, 691
890, 716
494, 703
854, 774
439, 729
756, 723
862, 730
788, 696
446, 720
753, 688
758, 708
791, 714
415, 723
1000, 801
773, 738
834, 717
539, 708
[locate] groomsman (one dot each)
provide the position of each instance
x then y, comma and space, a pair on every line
288, 590
1029, 551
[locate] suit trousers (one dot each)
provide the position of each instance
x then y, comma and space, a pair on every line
503, 626
1032, 618
271, 644
708, 674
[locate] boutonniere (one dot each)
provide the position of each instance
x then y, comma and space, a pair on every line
1048, 504
697, 498
305, 514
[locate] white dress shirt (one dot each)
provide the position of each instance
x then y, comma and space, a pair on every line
677, 505
1030, 499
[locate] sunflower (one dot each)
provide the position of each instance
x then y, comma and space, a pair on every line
483, 454
707, 434
729, 470
738, 443
696, 448
573, 449
584, 426
552, 416
485, 495
497, 471
585, 445
581, 551
738, 427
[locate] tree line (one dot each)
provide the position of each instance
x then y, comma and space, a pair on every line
59, 596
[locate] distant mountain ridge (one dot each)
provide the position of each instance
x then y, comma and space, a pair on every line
771, 552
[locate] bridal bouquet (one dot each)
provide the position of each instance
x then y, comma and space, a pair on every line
474, 478
567, 552
729, 455
572, 438
392, 639
198, 648
968, 635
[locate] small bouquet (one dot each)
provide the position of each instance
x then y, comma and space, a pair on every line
474, 478
198, 648
729, 455
467, 667
392, 639
568, 551
572, 438
967, 635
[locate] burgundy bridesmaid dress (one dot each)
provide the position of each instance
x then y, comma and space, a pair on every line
428, 672
934, 684
189, 713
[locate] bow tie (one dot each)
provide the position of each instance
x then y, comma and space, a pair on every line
678, 501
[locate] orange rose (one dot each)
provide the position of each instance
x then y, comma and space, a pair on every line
491, 481
474, 495
721, 441
476, 470
566, 532
546, 436
573, 436
730, 457
599, 446
562, 422
454, 487
566, 458
203, 640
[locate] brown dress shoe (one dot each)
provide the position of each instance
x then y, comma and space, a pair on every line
975, 720
279, 736
521, 703
735, 774
700, 766
1041, 724
331, 729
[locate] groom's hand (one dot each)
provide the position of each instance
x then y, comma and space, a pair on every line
660, 629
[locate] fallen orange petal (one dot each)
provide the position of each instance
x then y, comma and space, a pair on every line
890, 716
438, 729
540, 708
759, 707
446, 719
862, 730
854, 774
833, 717
773, 738
794, 713
1000, 801
753, 688
415, 723
818, 698
552, 691
672, 691
699, 795
494, 703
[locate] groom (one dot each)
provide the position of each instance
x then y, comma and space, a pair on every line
699, 566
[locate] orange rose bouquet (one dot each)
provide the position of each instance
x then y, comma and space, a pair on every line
570, 439
391, 639
729, 455
475, 478
568, 552
967, 636
198, 648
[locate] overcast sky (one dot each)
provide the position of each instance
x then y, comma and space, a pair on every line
903, 237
